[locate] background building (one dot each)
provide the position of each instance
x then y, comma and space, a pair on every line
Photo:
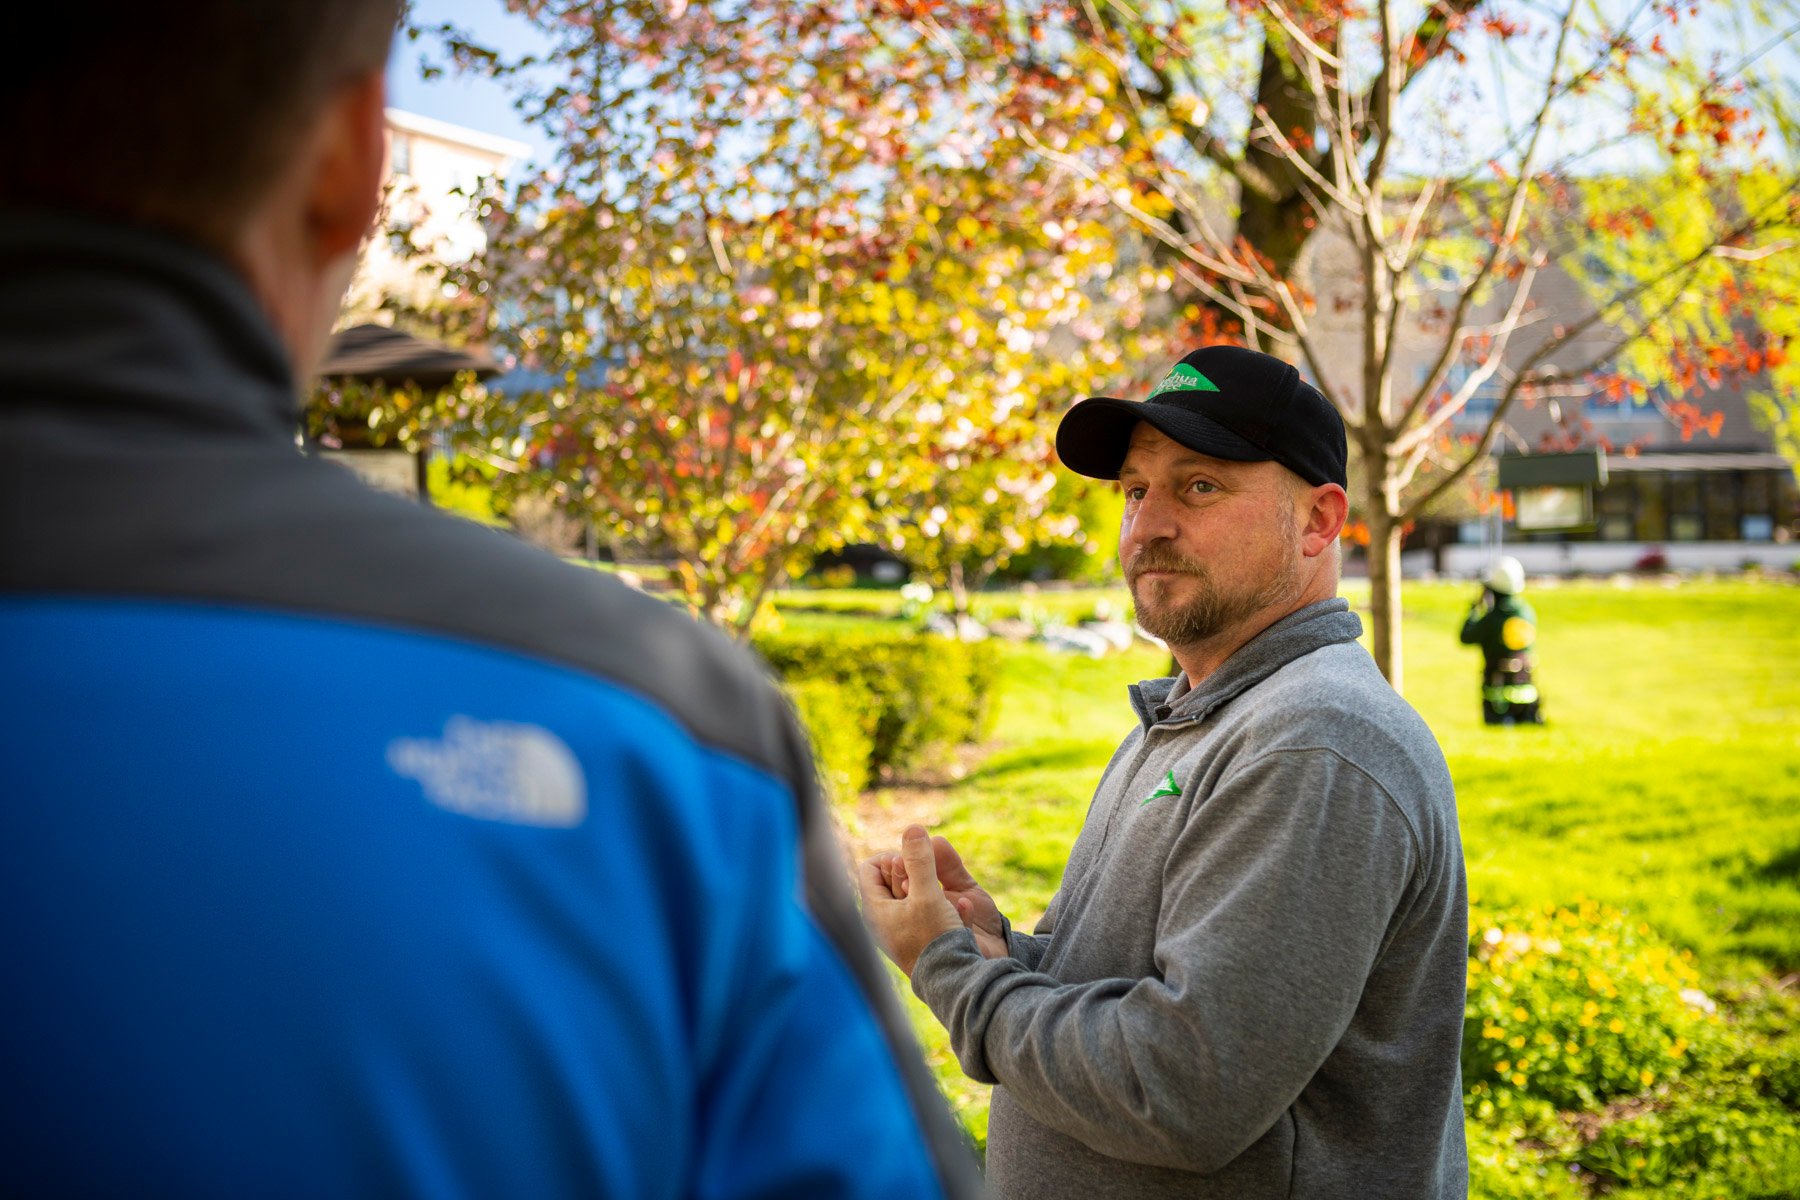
1720, 498
435, 173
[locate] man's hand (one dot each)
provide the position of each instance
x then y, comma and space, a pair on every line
973, 904
974, 908
905, 921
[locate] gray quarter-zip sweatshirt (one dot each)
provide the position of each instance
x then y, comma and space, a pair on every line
1250, 983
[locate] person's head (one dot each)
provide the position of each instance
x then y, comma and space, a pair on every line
1506, 577
252, 129
1233, 474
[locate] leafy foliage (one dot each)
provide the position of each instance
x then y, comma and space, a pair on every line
842, 733
905, 701
1575, 1006
1502, 1168
792, 296
359, 414
895, 214
1721, 1138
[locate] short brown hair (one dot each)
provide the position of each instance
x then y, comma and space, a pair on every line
172, 113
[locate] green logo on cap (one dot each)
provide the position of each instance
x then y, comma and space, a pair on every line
1183, 379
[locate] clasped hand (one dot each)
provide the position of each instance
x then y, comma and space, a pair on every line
912, 897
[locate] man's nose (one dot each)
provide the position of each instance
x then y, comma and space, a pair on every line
1154, 519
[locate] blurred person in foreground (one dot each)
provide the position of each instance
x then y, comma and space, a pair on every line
353, 849
1250, 982
1505, 627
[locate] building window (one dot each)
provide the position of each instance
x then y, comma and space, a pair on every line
1758, 494
1787, 506
1652, 507
1597, 406
1722, 508
1613, 506
402, 154
1687, 520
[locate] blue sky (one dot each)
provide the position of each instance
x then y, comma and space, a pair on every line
463, 100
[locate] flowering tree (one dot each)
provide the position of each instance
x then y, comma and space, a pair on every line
822, 304
972, 495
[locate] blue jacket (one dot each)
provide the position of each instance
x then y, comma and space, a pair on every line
352, 849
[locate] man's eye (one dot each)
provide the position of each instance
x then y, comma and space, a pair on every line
1201, 485
1134, 493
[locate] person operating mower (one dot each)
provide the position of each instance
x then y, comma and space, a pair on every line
1505, 628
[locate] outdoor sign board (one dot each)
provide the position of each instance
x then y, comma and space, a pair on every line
1539, 509
1553, 492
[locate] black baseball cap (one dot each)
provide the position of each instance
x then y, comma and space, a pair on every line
1225, 401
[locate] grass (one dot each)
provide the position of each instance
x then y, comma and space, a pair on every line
1667, 782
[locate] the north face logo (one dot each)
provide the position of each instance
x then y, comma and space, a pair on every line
496, 770
1183, 379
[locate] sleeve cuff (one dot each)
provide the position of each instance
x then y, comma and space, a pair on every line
946, 955
956, 983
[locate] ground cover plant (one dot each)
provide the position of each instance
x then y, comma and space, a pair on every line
1634, 870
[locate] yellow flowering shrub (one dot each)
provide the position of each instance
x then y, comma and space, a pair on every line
1506, 1164
1575, 1006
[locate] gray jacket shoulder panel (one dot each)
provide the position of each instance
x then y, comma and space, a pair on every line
1335, 698
273, 529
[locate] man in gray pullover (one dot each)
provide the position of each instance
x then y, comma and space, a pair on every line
1250, 983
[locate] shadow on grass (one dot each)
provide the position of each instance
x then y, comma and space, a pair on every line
1783, 868
1054, 756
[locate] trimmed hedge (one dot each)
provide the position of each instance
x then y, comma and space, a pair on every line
843, 735
878, 704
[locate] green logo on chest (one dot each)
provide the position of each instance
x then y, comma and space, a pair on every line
1167, 787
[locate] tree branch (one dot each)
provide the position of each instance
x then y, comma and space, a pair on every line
1515, 212
1491, 362
1412, 511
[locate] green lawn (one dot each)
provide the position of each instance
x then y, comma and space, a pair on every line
1667, 782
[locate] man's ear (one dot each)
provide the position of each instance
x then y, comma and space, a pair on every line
345, 190
1325, 509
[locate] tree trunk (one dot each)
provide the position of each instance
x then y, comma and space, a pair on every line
749, 607
1280, 226
1380, 502
959, 593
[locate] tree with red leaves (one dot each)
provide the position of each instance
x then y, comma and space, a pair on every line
1425, 204
1428, 204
